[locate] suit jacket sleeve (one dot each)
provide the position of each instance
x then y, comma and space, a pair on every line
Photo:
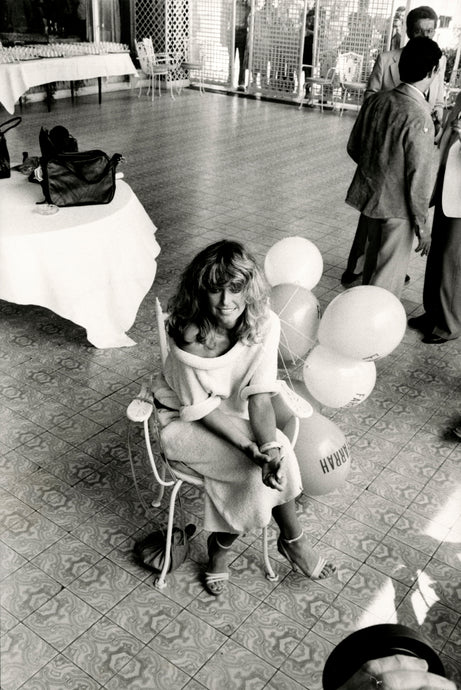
375, 80
439, 83
353, 144
418, 159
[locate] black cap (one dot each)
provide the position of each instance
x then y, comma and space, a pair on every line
373, 643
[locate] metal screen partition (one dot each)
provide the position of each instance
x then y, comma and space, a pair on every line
276, 43
358, 26
150, 21
267, 36
211, 37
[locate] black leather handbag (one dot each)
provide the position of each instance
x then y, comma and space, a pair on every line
80, 179
5, 169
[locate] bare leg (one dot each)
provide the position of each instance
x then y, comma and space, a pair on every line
293, 545
218, 545
217, 572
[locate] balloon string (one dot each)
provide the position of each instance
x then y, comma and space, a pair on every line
296, 360
289, 300
293, 328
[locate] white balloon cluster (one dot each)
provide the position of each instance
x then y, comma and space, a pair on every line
339, 349
337, 352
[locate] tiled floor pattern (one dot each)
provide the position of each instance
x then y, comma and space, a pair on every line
77, 612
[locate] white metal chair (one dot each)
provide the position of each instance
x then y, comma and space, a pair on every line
349, 67
154, 67
321, 82
194, 62
142, 410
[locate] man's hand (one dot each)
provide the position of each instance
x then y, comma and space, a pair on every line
424, 244
424, 240
396, 672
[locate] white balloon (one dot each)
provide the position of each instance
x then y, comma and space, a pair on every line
337, 381
323, 455
299, 313
365, 322
294, 260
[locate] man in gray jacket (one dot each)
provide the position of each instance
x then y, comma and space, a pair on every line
392, 143
421, 21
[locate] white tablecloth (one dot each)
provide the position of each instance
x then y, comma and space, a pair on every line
16, 78
92, 265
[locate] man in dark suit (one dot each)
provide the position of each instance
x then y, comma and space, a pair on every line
392, 143
421, 21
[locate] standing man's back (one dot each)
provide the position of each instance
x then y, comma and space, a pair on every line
420, 21
392, 144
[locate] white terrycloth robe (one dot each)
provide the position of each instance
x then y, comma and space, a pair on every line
236, 500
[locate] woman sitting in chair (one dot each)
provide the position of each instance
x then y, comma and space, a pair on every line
222, 365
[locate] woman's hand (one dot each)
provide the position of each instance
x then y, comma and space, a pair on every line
272, 473
270, 464
251, 449
398, 672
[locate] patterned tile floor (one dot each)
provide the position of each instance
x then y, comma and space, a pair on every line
77, 612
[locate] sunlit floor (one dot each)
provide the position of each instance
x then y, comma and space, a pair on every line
77, 612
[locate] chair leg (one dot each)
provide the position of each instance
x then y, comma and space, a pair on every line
160, 582
343, 102
170, 80
157, 501
321, 98
270, 574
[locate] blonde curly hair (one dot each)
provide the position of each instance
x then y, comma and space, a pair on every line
222, 263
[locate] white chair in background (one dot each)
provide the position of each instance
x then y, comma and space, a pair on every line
195, 62
155, 66
349, 68
322, 84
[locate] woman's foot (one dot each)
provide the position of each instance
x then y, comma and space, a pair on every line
302, 557
217, 572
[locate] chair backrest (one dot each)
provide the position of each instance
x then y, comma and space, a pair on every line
144, 57
160, 319
147, 41
349, 67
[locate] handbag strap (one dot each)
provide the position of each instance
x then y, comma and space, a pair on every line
14, 122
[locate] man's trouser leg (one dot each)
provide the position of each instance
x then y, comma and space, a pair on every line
388, 252
356, 258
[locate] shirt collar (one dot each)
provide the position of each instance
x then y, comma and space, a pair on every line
415, 89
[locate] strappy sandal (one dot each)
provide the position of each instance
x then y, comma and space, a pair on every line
316, 574
140, 408
215, 583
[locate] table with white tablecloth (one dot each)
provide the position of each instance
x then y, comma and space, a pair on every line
92, 265
16, 78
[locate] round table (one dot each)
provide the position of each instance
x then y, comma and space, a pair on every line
92, 265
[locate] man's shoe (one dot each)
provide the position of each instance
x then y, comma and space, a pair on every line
407, 280
349, 277
433, 339
420, 323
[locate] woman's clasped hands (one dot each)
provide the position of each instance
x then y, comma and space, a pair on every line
271, 463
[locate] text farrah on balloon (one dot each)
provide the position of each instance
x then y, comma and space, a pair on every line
294, 260
335, 380
299, 314
366, 322
323, 455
